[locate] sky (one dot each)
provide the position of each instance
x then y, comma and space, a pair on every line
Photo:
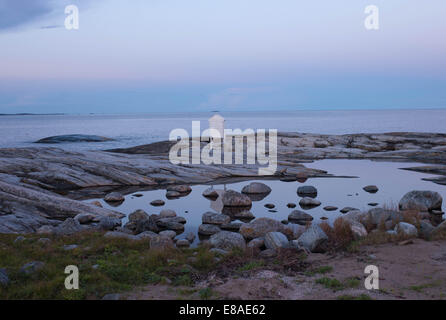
227, 55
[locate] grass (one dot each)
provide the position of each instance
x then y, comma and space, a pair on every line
350, 297
336, 285
319, 270
206, 293
252, 265
421, 287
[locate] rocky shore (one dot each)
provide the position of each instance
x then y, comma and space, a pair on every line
39, 186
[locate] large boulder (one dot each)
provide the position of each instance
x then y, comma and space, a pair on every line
109, 223
300, 217
406, 229
275, 240
421, 200
313, 239
233, 198
256, 188
307, 191
226, 240
260, 227
69, 227
215, 218
208, 229
377, 216
140, 221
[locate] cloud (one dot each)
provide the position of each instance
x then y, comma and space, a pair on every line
15, 13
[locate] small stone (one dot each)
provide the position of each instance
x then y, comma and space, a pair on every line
219, 251
269, 206
330, 208
268, 253
208, 229
32, 267
157, 203
256, 188
307, 191
210, 193
299, 217
47, 229
347, 209
172, 194
168, 233
114, 197
180, 189
309, 202
233, 198
371, 189
215, 218
167, 213
291, 205
138, 195
183, 243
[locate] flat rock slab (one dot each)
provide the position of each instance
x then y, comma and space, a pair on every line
73, 138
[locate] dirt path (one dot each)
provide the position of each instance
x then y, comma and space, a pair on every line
413, 271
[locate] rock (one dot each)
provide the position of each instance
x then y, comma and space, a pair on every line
219, 251
215, 218
112, 296
174, 223
275, 240
97, 204
373, 204
208, 229
167, 213
426, 229
439, 230
84, 218
244, 215
44, 241
4, 279
73, 138
256, 243
300, 217
233, 226
269, 206
146, 235
45, 230
70, 247
391, 232
354, 215
321, 144
210, 193
377, 216
183, 243
313, 239
260, 227
190, 237
157, 203
19, 239
268, 253
358, 229
330, 208
180, 189
138, 215
347, 209
309, 202
406, 229
291, 205
68, 227
293, 231
109, 223
121, 235
138, 195
114, 197
140, 221
161, 242
172, 194
307, 191
32, 267
233, 198
227, 240
256, 188
371, 189
168, 233
421, 200
405, 242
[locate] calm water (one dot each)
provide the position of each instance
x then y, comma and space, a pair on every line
392, 182
131, 130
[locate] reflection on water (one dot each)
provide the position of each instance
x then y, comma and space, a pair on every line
392, 182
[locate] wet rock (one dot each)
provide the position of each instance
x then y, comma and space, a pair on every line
85, 218
275, 240
32, 267
309, 203
233, 198
313, 239
160, 242
300, 217
244, 215
180, 189
210, 193
114, 197
68, 227
371, 189
215, 218
291, 205
167, 213
260, 227
208, 229
421, 200
233, 226
190, 237
256, 188
138, 195
269, 206
330, 208
175, 223
373, 204
347, 209
227, 240
4, 279
140, 221
307, 191
157, 203
168, 233
109, 223
406, 229
172, 194
73, 138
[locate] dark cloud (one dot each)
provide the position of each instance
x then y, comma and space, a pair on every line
14, 13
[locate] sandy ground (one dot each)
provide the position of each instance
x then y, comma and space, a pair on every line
412, 271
